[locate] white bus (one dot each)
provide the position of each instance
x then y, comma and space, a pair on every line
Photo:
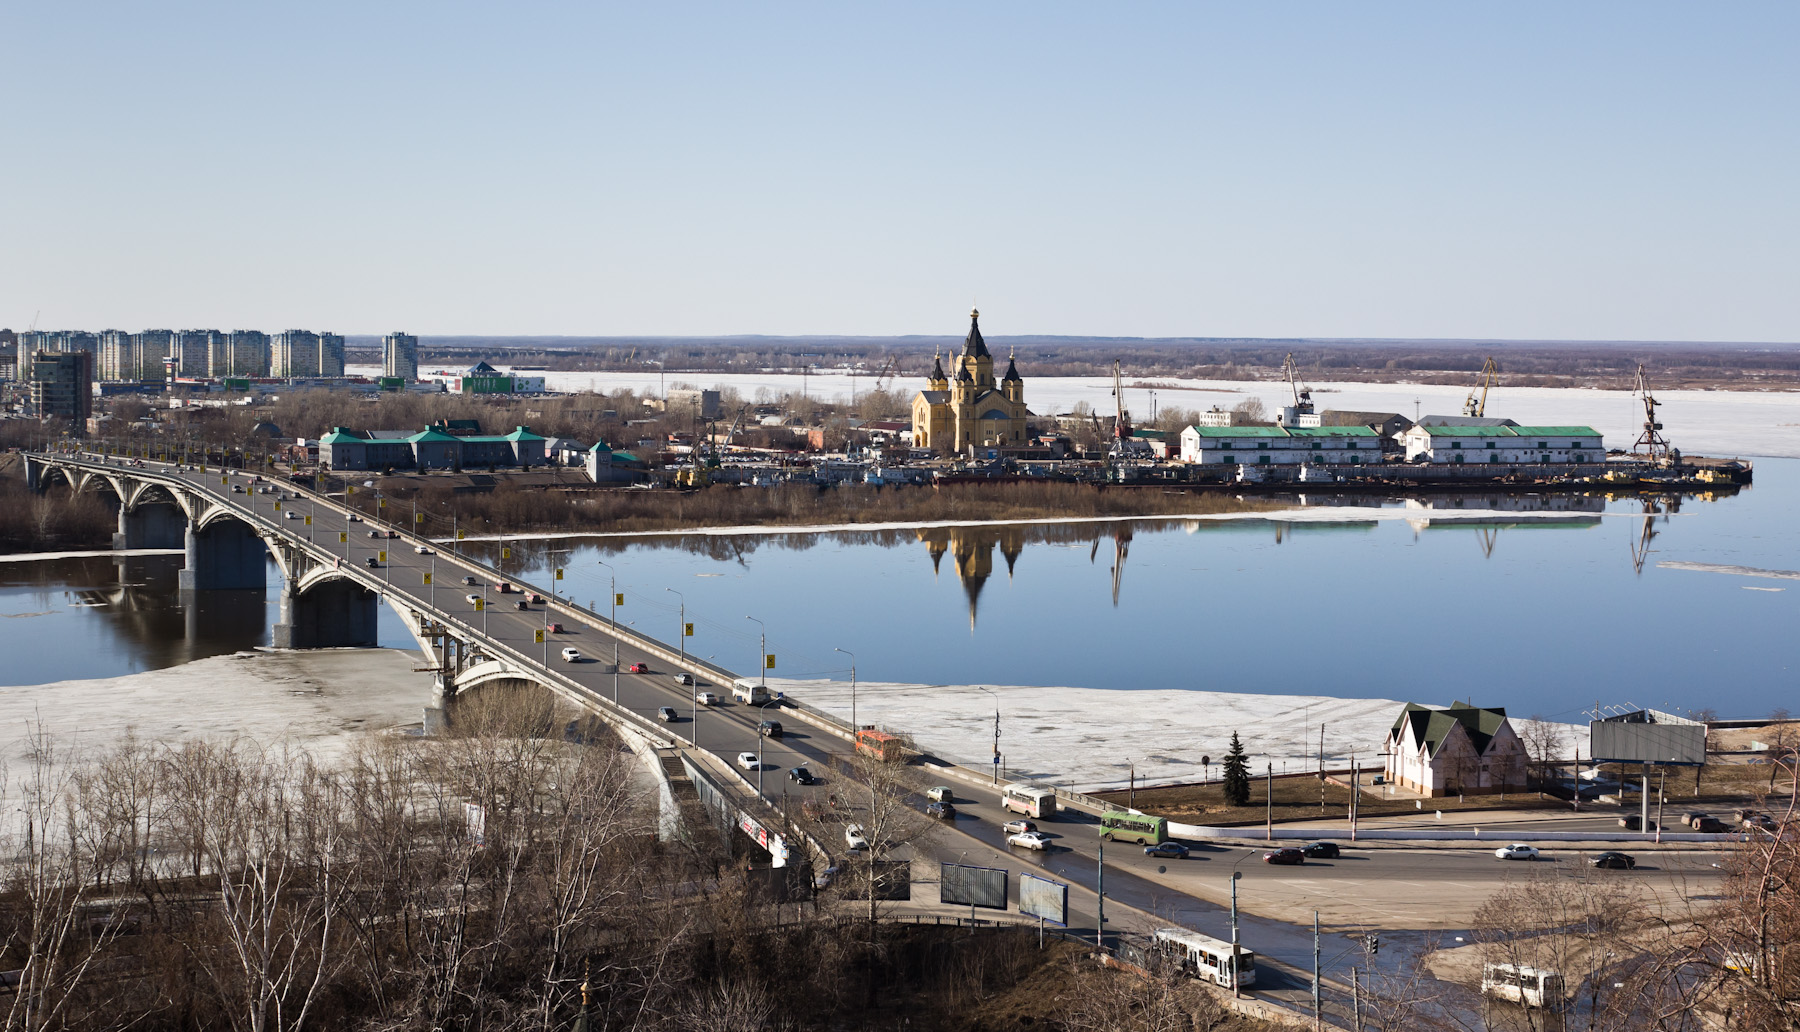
1205, 957
749, 692
1036, 801
1516, 983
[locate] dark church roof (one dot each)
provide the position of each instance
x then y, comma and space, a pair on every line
937, 368
1012, 372
973, 344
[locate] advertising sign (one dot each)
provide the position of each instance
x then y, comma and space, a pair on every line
1043, 898
969, 886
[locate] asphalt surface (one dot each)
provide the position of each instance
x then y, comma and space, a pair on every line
729, 728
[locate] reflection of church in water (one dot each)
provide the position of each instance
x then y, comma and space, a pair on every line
972, 551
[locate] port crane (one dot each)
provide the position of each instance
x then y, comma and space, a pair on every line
1489, 375
1303, 404
1654, 445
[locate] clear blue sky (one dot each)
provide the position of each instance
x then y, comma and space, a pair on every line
1590, 170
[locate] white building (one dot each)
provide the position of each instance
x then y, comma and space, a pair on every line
1280, 446
1460, 750
1514, 445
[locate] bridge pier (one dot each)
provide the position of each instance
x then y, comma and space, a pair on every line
333, 614
226, 554
150, 526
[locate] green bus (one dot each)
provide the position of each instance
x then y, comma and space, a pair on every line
1125, 826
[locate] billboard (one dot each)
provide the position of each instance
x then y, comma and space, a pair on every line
972, 886
1043, 898
1643, 741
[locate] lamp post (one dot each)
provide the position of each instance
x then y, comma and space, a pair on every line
762, 708
681, 636
612, 621
762, 650
854, 726
996, 696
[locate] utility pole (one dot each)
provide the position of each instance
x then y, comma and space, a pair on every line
1269, 798
1321, 769
1235, 875
854, 726
1100, 893
1356, 1024
762, 650
996, 763
1318, 1016
612, 592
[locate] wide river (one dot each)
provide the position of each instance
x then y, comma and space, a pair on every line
1693, 607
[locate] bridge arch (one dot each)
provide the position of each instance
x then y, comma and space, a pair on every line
326, 609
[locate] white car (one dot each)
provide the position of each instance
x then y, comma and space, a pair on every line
706, 698
1516, 851
355, 518
471, 599
748, 761
853, 837
422, 550
1029, 840
292, 515
571, 655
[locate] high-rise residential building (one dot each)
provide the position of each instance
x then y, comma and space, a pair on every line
117, 354
238, 353
9, 355
31, 342
294, 353
62, 384
151, 347
331, 354
188, 348
400, 356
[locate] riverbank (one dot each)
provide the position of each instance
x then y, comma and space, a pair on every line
316, 699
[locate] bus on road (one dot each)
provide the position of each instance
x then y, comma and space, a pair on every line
1037, 801
1125, 826
1206, 958
1517, 983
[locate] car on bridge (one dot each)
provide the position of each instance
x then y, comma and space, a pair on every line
685, 680
1517, 851
769, 729
1029, 840
470, 599
422, 550
1321, 850
940, 794
470, 581
571, 655
521, 606
292, 515
749, 761
1287, 856
1168, 850
639, 668
802, 776
1614, 859
374, 533
354, 518
372, 563
706, 698
941, 811
667, 714
1015, 827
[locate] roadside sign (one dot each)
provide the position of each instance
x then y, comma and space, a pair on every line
559, 573
381, 503
506, 553
687, 631
461, 534
277, 506
769, 661
308, 521
418, 517
540, 635
480, 604
381, 557
343, 537
619, 599
428, 579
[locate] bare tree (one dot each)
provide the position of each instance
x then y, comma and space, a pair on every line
1545, 742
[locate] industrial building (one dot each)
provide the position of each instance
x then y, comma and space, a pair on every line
1511, 445
1279, 445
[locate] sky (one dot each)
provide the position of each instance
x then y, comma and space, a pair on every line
1529, 170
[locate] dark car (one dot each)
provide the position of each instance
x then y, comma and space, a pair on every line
1613, 859
667, 714
942, 811
1285, 856
1168, 850
802, 776
373, 565
470, 581
1321, 850
1635, 822
769, 729
1710, 825
520, 604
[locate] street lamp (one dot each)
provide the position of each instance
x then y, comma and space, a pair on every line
681, 636
855, 728
762, 651
996, 696
762, 709
612, 595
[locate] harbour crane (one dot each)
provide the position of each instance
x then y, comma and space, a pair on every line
1489, 375
1121, 418
1654, 445
1303, 405
888, 371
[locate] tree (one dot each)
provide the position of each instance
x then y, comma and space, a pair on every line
1544, 742
1236, 782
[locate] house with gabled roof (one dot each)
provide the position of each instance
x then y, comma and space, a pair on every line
1458, 750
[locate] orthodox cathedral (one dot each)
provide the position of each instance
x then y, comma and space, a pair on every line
954, 415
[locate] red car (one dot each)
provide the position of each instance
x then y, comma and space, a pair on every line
640, 668
1289, 855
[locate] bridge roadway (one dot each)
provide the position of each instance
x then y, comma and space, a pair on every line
338, 543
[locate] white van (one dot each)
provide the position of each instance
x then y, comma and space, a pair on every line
750, 692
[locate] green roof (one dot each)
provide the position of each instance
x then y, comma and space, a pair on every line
339, 435
1430, 726
1330, 431
1555, 431
522, 434
1239, 431
431, 434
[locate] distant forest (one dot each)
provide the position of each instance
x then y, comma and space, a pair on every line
1522, 363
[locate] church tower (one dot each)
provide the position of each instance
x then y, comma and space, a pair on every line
1011, 384
963, 409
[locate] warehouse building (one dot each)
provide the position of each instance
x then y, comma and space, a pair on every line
1280, 446
1512, 445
